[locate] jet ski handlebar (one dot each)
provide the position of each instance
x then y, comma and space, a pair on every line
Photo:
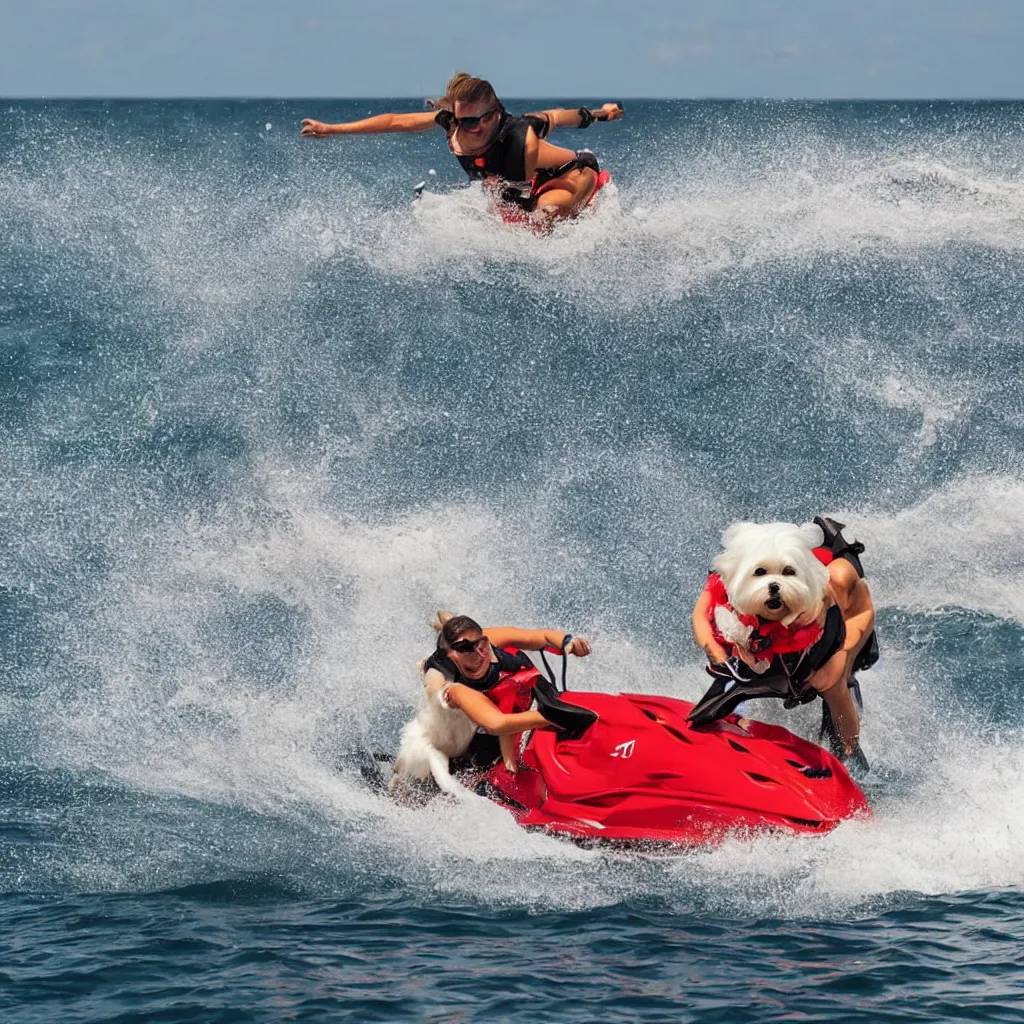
564, 652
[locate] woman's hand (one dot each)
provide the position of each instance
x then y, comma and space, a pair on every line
715, 652
612, 111
314, 129
579, 647
832, 672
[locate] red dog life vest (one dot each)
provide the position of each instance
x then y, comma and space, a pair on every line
767, 638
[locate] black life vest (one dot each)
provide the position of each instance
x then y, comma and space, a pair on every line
508, 682
505, 158
800, 666
842, 548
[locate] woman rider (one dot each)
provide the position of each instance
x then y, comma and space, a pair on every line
493, 146
484, 673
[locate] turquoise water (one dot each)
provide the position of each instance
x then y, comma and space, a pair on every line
262, 416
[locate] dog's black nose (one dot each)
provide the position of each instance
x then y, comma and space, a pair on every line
773, 589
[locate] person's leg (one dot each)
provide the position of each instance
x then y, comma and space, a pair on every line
510, 750
844, 714
841, 703
566, 196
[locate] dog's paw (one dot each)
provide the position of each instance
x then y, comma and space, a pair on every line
731, 628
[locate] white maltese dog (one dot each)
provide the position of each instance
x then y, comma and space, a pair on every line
770, 571
437, 733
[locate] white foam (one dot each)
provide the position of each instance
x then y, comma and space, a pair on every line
173, 716
962, 545
672, 232
671, 235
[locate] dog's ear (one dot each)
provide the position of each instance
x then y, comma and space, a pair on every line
734, 544
732, 533
812, 535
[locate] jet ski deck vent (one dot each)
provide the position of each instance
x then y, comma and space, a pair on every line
485, 789
675, 732
811, 773
761, 778
600, 800
671, 730
738, 746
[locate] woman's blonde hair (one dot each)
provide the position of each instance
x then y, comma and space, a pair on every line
438, 621
451, 627
464, 88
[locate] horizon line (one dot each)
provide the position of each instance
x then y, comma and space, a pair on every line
569, 98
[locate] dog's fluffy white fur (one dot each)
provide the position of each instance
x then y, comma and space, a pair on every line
436, 734
770, 570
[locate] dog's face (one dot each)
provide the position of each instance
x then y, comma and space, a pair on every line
771, 570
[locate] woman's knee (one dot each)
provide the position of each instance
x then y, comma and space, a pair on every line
556, 200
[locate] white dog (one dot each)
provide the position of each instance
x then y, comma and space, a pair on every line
770, 571
437, 733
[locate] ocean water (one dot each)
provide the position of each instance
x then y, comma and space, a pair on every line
262, 415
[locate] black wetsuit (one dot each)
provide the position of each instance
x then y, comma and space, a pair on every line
505, 157
788, 674
800, 665
842, 548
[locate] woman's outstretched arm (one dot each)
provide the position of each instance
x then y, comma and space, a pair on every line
563, 117
535, 639
418, 122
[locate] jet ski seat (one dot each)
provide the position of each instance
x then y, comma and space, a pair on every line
573, 720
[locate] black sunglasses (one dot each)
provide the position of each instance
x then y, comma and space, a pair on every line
466, 646
448, 121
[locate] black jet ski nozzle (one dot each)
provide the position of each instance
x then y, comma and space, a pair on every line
571, 719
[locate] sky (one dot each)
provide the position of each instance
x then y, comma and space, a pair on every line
595, 50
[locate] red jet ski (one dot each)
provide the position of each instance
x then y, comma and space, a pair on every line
641, 773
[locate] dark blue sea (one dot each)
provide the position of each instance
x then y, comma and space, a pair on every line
262, 416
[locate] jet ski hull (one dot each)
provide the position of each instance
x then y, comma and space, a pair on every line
643, 775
